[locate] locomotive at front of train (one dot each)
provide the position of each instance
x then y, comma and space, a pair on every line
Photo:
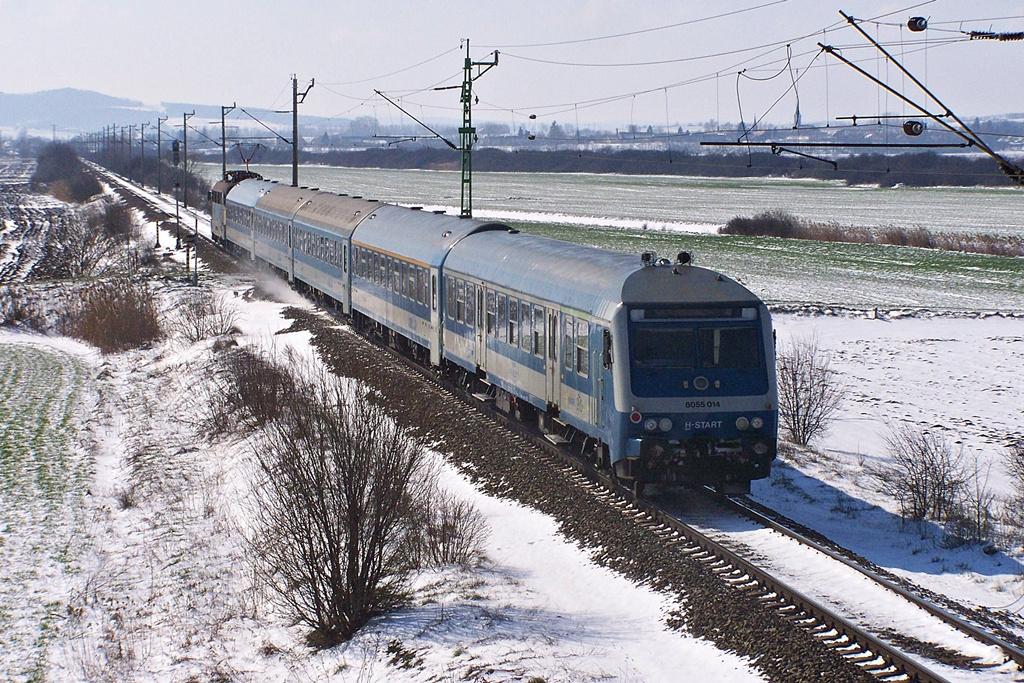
698, 400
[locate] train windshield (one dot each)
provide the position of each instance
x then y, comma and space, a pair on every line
668, 356
687, 347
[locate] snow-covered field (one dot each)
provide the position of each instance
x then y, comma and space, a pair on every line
138, 569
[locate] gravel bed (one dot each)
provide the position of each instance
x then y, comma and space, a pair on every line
504, 464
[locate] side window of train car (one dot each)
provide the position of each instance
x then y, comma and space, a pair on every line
526, 327
344, 257
583, 348
568, 342
471, 304
460, 300
502, 317
513, 321
538, 330
410, 283
421, 285
396, 276
492, 313
405, 279
553, 336
449, 296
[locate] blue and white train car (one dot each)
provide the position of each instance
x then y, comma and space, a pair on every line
240, 212
321, 242
547, 322
397, 256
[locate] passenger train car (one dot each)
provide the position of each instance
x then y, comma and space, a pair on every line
660, 371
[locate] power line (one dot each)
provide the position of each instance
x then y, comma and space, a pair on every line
641, 31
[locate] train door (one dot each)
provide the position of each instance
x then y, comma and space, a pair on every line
554, 372
436, 330
481, 331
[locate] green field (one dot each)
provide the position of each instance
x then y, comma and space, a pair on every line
44, 473
800, 273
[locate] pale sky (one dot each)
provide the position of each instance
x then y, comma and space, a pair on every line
222, 51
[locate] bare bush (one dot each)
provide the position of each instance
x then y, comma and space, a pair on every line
925, 475
810, 391
19, 308
338, 494
199, 314
250, 391
115, 315
452, 531
972, 520
1015, 465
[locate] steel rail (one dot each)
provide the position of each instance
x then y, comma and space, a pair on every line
738, 504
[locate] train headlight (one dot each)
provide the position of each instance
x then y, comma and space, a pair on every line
757, 423
650, 424
635, 417
760, 448
665, 424
742, 423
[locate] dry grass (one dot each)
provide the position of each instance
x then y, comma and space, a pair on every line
776, 223
115, 315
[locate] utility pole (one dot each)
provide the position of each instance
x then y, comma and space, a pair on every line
142, 154
184, 165
467, 133
297, 99
223, 140
159, 156
131, 138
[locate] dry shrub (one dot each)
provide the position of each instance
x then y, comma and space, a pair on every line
925, 475
199, 314
250, 391
452, 531
778, 223
810, 391
115, 315
18, 307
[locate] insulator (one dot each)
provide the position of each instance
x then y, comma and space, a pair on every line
913, 128
917, 24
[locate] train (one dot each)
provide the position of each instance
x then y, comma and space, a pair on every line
654, 369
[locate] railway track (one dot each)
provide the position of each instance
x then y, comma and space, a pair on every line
869, 654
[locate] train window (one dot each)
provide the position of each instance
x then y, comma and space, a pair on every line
376, 268
470, 304
526, 327
405, 279
502, 327
553, 337
421, 286
449, 296
410, 283
492, 313
460, 300
665, 347
728, 347
396, 276
538, 330
583, 348
568, 342
513, 321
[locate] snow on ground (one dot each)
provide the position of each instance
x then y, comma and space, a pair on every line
962, 377
158, 586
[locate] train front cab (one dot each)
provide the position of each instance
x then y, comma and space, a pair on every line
701, 392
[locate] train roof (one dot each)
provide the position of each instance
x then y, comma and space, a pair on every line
284, 200
421, 236
584, 278
248, 192
334, 213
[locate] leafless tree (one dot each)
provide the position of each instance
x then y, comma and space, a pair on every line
340, 490
810, 391
924, 475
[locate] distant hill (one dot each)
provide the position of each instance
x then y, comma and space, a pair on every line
70, 110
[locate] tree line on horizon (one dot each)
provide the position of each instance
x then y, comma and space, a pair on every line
885, 170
